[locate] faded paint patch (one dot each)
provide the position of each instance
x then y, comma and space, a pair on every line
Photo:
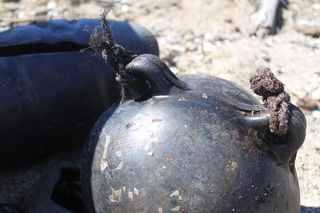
175, 209
182, 99
150, 153
204, 95
175, 193
136, 191
115, 196
118, 153
150, 148
234, 166
117, 143
119, 167
180, 197
103, 160
160, 210
130, 195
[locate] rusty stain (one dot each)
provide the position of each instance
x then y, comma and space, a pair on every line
156, 120
115, 196
235, 142
212, 188
103, 160
253, 112
234, 137
170, 157
234, 134
161, 195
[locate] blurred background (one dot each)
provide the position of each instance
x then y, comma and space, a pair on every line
219, 38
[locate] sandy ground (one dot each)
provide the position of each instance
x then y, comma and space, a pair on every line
215, 37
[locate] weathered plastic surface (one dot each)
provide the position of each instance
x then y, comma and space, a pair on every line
77, 32
49, 88
200, 150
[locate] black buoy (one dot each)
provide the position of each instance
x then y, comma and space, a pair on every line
190, 144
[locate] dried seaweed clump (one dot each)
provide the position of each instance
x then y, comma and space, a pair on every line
265, 84
102, 40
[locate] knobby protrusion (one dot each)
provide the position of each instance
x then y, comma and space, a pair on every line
265, 84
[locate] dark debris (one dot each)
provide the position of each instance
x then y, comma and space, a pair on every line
266, 85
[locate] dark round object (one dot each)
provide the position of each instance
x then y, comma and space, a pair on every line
206, 149
50, 88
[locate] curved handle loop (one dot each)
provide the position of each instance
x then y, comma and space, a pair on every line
148, 75
283, 147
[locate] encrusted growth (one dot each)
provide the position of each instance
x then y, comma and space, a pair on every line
112, 52
265, 84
